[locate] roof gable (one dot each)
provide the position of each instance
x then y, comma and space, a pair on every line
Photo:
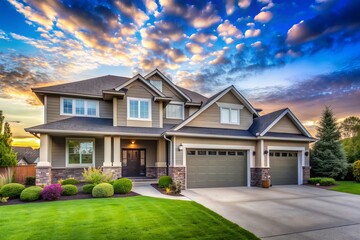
285, 125
138, 77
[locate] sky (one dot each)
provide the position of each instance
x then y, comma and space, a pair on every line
301, 54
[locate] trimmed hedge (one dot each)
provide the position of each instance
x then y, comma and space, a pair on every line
165, 181
87, 188
122, 186
68, 181
103, 190
69, 190
12, 190
31, 194
322, 181
356, 170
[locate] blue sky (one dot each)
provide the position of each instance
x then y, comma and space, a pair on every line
298, 54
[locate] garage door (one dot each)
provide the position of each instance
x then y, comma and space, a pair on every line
283, 167
216, 168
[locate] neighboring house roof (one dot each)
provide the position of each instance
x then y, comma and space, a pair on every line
195, 97
100, 126
27, 154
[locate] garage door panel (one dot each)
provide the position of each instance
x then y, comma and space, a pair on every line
284, 168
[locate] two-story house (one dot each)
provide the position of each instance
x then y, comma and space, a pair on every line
148, 126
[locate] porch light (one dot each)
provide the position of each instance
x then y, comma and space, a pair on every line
306, 153
266, 152
254, 153
180, 147
132, 141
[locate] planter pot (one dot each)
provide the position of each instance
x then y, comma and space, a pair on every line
265, 183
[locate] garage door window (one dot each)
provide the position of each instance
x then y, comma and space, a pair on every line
241, 153
284, 154
190, 152
222, 153
211, 153
231, 153
201, 152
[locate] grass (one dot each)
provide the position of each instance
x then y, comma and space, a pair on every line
347, 187
116, 218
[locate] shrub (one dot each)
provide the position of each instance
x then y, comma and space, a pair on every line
52, 192
314, 180
12, 190
122, 186
176, 187
7, 177
69, 190
96, 175
87, 188
103, 190
165, 181
31, 194
3, 199
68, 181
327, 182
30, 181
356, 170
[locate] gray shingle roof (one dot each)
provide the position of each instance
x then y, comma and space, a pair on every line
95, 126
287, 135
261, 123
27, 153
195, 97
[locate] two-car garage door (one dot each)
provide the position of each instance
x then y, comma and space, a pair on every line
216, 168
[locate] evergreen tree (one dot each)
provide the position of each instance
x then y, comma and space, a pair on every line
328, 157
7, 156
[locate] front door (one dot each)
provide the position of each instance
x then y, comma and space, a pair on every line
133, 162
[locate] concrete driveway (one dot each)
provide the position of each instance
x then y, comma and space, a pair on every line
285, 212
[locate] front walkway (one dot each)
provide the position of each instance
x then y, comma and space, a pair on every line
145, 189
285, 212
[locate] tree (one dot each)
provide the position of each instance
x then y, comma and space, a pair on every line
7, 156
328, 157
350, 127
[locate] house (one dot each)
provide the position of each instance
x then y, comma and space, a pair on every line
148, 126
26, 155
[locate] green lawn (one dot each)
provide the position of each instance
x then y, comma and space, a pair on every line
116, 218
347, 187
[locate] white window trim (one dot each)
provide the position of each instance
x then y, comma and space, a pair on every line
67, 153
139, 99
230, 105
176, 103
74, 107
230, 123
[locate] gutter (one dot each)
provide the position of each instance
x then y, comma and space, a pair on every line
167, 154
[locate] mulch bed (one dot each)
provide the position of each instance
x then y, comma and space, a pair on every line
79, 195
322, 187
161, 190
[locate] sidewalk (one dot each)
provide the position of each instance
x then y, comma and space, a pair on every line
145, 189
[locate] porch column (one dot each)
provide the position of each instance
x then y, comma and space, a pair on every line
107, 152
160, 163
117, 154
43, 168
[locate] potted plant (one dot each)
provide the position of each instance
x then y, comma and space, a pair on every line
265, 182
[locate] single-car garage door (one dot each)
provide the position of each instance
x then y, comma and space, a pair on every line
283, 167
216, 168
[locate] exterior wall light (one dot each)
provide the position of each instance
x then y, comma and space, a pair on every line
254, 153
132, 141
306, 153
266, 152
180, 147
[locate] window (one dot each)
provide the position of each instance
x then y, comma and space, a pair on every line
80, 152
241, 153
231, 153
201, 152
190, 152
284, 154
175, 111
157, 84
79, 107
211, 152
230, 115
222, 153
139, 109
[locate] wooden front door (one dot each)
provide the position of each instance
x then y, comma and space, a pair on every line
133, 162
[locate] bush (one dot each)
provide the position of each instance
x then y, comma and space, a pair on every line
7, 177
31, 194
71, 181
176, 187
87, 188
122, 186
30, 181
356, 170
103, 190
165, 181
52, 192
95, 175
314, 180
69, 190
12, 190
322, 181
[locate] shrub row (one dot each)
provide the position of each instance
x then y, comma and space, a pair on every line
322, 181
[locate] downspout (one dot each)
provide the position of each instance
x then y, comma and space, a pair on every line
167, 154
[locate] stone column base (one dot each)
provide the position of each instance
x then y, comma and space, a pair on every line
155, 172
64, 173
43, 176
258, 174
306, 174
114, 171
178, 175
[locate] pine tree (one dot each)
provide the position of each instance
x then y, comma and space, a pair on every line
328, 157
7, 156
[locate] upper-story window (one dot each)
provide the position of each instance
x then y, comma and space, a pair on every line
175, 110
230, 113
139, 109
79, 107
157, 84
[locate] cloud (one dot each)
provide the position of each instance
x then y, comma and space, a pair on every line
129, 9
227, 30
252, 33
343, 19
230, 7
151, 5
194, 48
263, 17
203, 37
257, 44
176, 55
240, 46
244, 3
3, 35
219, 58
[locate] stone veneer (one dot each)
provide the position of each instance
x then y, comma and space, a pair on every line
115, 171
155, 172
64, 173
306, 174
178, 175
43, 175
258, 174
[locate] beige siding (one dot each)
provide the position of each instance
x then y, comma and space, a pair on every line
211, 116
171, 92
53, 109
227, 142
59, 151
138, 90
149, 145
285, 125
